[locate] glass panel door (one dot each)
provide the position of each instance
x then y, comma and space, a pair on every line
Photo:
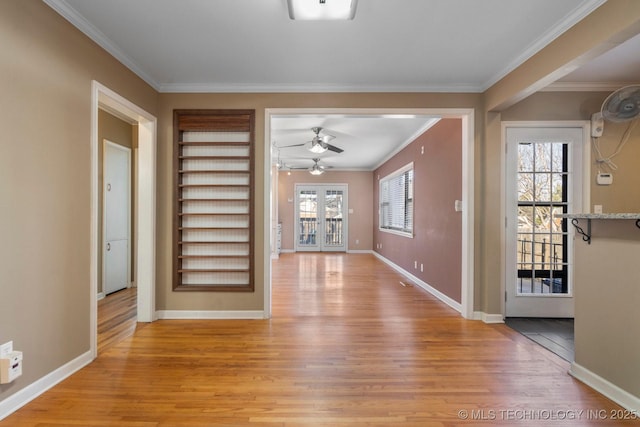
307, 219
333, 213
543, 180
321, 223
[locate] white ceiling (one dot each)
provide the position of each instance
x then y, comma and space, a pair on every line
400, 46
367, 140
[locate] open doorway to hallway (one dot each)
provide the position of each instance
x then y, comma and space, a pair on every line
277, 164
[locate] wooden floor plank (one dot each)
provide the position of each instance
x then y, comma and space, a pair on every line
348, 345
117, 315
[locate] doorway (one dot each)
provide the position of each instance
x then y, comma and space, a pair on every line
270, 226
544, 179
321, 220
144, 203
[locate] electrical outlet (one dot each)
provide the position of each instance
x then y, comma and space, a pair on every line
597, 209
5, 349
422, 268
415, 264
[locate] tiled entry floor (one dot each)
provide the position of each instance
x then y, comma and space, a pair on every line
555, 335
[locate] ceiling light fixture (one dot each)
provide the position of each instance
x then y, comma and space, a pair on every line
322, 9
316, 170
318, 148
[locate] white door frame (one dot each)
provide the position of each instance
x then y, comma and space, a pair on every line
127, 150
467, 115
144, 204
586, 174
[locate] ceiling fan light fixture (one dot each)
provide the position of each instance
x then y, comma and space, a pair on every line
317, 148
315, 170
310, 10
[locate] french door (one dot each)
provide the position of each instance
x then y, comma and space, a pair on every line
321, 220
543, 180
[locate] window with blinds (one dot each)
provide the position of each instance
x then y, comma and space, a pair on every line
396, 202
213, 206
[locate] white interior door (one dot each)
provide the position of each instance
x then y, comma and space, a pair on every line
116, 217
543, 179
321, 220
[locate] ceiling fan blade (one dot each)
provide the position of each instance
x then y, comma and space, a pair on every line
334, 148
294, 145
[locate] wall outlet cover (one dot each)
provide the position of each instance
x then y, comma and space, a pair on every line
5, 349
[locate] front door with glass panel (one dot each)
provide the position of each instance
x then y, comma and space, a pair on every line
321, 220
543, 181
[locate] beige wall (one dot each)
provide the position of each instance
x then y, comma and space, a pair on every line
46, 68
166, 299
607, 325
360, 201
120, 132
624, 194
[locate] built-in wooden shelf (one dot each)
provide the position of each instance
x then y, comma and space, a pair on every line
205, 141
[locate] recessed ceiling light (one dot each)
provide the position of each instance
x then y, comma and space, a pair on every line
322, 9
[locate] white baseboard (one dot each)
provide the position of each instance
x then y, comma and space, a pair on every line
360, 251
35, 389
606, 388
287, 251
487, 317
210, 314
101, 295
433, 291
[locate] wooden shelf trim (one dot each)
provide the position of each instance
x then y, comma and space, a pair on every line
202, 171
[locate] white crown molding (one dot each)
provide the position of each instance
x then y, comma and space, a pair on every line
78, 21
430, 123
309, 88
585, 86
570, 20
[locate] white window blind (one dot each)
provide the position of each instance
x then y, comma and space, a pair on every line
396, 201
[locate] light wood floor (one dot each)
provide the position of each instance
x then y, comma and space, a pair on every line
117, 318
347, 345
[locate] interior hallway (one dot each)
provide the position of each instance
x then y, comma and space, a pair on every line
347, 345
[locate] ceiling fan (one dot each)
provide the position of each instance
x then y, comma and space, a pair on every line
316, 169
319, 144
